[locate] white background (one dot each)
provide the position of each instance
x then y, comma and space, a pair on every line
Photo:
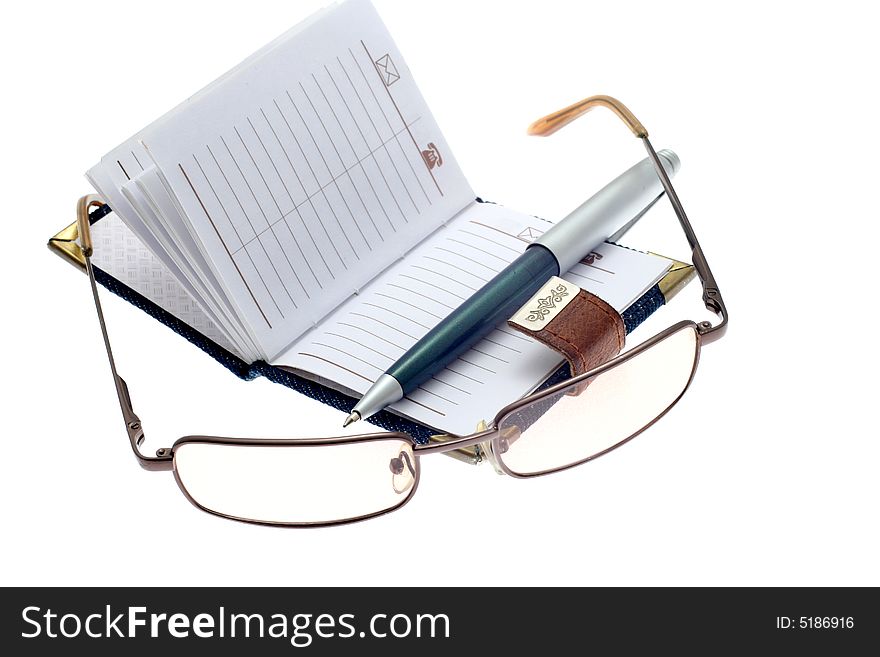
766, 473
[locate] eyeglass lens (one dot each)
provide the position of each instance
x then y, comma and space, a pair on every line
611, 408
297, 484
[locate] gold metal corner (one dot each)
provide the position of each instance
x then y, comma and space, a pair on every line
675, 280
74, 242
64, 243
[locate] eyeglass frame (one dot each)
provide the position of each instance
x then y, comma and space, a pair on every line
492, 440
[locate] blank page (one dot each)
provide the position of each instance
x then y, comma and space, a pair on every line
364, 337
301, 174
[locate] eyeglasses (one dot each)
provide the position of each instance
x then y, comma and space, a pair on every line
327, 481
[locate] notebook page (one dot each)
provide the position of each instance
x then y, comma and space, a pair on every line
364, 337
150, 186
137, 213
120, 253
307, 171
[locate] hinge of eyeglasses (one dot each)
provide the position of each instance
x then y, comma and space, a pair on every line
712, 299
136, 434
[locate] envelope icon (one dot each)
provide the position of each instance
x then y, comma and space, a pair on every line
530, 234
387, 70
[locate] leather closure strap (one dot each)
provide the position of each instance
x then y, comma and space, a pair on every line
576, 323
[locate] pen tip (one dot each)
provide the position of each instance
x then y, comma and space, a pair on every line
354, 417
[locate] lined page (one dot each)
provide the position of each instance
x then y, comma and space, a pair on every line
140, 219
305, 172
365, 336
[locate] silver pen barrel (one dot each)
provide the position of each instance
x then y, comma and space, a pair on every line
607, 211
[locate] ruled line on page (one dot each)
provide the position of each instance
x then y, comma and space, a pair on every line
476, 262
434, 285
358, 161
397, 314
586, 278
378, 321
220, 237
513, 334
259, 172
446, 383
341, 367
346, 170
486, 353
283, 214
499, 230
458, 269
449, 368
350, 355
334, 181
361, 131
408, 303
290, 195
246, 182
271, 230
495, 242
438, 396
470, 362
231, 189
409, 399
403, 151
391, 359
375, 335
400, 114
309, 197
423, 296
455, 280
501, 344
244, 247
263, 281
506, 261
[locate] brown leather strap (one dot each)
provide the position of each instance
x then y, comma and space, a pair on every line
586, 330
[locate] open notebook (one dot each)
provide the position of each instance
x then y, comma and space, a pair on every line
306, 211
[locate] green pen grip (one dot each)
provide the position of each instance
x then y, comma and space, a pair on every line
474, 319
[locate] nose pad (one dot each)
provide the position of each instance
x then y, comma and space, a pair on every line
509, 435
403, 473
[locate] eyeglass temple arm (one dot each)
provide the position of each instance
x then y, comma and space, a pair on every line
711, 294
162, 460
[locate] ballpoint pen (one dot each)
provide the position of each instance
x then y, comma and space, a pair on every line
611, 211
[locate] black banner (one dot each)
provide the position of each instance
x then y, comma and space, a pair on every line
400, 620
